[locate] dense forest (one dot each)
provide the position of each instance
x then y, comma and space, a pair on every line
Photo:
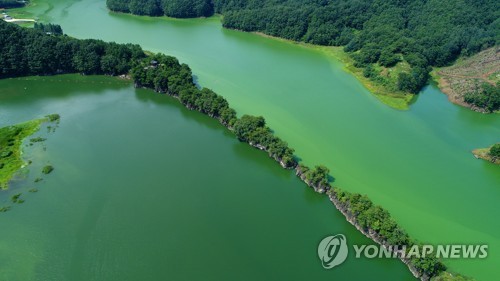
488, 97
495, 150
11, 3
49, 28
171, 8
35, 52
422, 33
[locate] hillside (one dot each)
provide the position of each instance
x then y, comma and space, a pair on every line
473, 82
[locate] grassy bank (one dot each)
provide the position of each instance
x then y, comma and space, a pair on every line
11, 138
383, 87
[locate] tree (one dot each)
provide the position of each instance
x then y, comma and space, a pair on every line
495, 150
486, 96
388, 58
247, 124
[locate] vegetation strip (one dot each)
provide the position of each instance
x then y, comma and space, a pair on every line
164, 74
11, 138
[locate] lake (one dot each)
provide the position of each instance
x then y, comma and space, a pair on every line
416, 163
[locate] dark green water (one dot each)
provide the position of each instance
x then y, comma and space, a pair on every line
415, 163
144, 189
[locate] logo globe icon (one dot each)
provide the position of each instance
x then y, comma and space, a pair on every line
332, 250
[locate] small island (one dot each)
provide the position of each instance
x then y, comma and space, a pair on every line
491, 153
11, 138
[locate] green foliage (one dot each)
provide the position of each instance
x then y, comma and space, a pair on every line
253, 129
11, 4
171, 8
247, 125
388, 58
372, 217
187, 8
37, 139
430, 265
165, 74
318, 177
27, 51
54, 117
47, 169
119, 5
145, 7
49, 28
6, 153
10, 148
15, 198
495, 150
487, 97
369, 71
414, 81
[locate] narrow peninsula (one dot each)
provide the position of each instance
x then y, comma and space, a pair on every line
166, 75
491, 153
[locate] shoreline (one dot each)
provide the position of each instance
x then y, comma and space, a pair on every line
396, 100
444, 86
370, 234
464, 76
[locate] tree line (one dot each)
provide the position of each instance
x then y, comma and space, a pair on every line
27, 51
49, 28
485, 96
423, 33
373, 218
34, 52
11, 3
165, 74
171, 8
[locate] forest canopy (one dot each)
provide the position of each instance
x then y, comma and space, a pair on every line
171, 8
11, 3
28, 51
423, 33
